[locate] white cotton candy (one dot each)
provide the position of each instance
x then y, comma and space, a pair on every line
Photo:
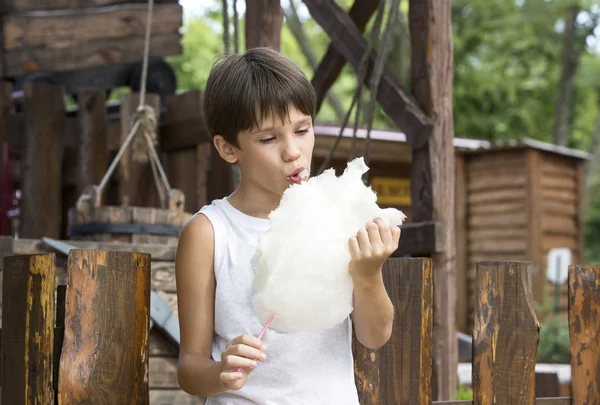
302, 269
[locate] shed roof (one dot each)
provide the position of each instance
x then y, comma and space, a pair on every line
464, 144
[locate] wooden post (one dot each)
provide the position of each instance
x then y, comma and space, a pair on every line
28, 329
505, 334
534, 218
187, 168
584, 327
107, 312
41, 209
400, 372
136, 182
5, 106
433, 173
264, 19
93, 144
462, 262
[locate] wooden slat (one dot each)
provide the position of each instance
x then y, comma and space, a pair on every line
184, 133
538, 401
333, 62
41, 209
552, 182
397, 103
565, 196
400, 372
55, 57
28, 329
478, 183
581, 215
72, 27
558, 208
584, 327
25, 5
497, 196
509, 233
420, 238
93, 151
497, 208
505, 334
534, 215
105, 348
498, 246
498, 220
559, 225
136, 183
462, 243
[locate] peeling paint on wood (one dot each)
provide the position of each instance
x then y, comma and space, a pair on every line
584, 327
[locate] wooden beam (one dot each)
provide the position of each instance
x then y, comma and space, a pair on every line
44, 114
401, 368
433, 173
584, 326
108, 293
264, 19
73, 27
32, 5
28, 329
505, 334
184, 133
88, 55
421, 238
397, 103
333, 62
185, 171
92, 146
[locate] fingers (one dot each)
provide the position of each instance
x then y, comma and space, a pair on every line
385, 232
248, 340
395, 236
354, 247
374, 233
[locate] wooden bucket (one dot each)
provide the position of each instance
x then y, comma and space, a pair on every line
89, 220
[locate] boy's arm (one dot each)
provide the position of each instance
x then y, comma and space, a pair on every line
373, 315
197, 373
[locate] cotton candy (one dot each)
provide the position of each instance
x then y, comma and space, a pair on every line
301, 271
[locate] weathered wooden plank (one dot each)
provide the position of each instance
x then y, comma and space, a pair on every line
25, 5
92, 147
397, 103
137, 186
34, 246
72, 27
538, 401
184, 133
28, 329
263, 20
44, 113
105, 348
505, 334
57, 57
184, 169
333, 62
584, 327
400, 372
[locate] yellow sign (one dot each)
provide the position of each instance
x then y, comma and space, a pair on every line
391, 190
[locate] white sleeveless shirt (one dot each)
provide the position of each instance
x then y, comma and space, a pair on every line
301, 368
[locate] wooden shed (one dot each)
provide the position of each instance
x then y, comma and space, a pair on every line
516, 201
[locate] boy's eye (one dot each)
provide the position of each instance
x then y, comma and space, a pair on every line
267, 140
302, 131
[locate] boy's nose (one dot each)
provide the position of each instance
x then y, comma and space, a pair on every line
291, 152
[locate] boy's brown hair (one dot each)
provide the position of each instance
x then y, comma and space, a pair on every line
243, 90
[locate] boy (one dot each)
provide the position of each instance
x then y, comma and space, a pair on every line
259, 108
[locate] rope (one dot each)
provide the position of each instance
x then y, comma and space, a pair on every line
362, 72
146, 54
377, 73
145, 116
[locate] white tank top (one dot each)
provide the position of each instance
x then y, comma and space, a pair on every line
301, 368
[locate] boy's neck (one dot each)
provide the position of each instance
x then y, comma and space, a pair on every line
255, 203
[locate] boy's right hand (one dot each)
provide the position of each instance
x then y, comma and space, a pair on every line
244, 352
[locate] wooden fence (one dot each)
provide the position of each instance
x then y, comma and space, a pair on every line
90, 344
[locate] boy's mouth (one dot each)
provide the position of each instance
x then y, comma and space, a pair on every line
298, 176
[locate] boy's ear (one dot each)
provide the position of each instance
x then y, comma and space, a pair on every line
226, 150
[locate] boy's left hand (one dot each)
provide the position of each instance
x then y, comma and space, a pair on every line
371, 247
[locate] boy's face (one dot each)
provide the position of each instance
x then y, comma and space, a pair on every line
272, 156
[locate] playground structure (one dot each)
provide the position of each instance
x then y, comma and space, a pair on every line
77, 146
